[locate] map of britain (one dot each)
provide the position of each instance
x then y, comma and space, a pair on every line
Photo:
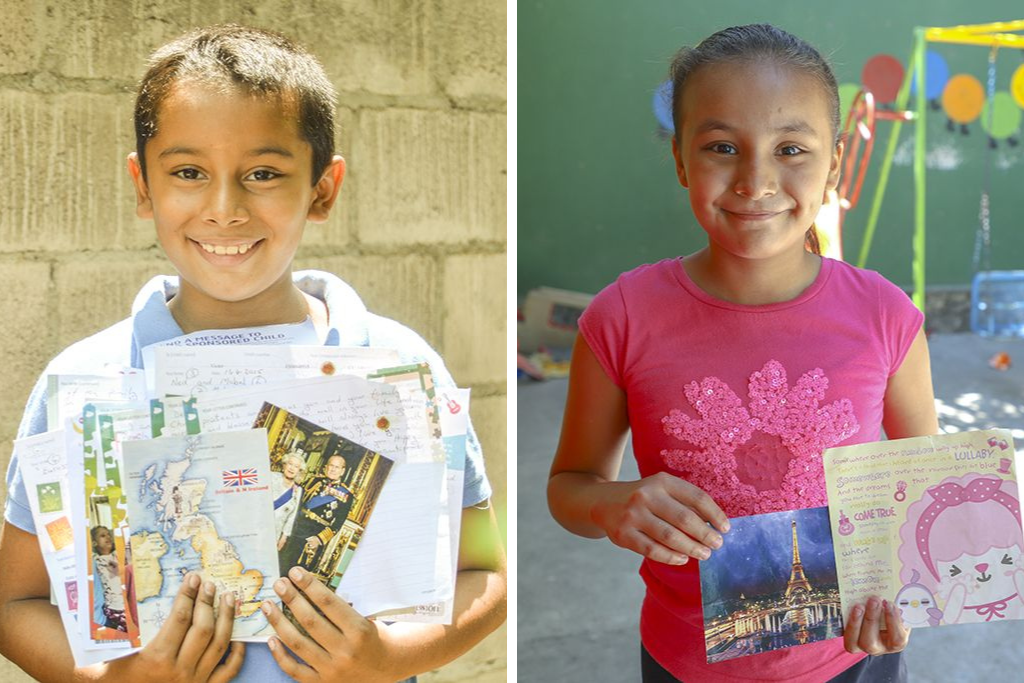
202, 503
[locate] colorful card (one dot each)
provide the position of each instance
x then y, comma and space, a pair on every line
202, 503
772, 585
931, 523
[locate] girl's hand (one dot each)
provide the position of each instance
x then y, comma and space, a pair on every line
863, 632
342, 645
189, 646
661, 517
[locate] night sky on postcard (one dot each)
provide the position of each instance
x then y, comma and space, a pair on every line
757, 555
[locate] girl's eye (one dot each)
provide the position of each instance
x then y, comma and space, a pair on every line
1007, 559
187, 174
954, 570
264, 175
790, 150
723, 148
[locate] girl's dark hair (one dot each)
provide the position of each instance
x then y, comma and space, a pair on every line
260, 62
756, 43
93, 532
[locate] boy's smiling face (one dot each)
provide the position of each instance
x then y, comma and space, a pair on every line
228, 184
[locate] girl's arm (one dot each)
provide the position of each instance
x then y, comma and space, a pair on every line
661, 517
342, 645
909, 404
187, 648
909, 410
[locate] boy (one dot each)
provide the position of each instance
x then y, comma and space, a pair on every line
234, 132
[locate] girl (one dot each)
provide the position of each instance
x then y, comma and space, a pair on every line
736, 366
109, 599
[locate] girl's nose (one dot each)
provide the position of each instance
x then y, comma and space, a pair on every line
754, 180
980, 568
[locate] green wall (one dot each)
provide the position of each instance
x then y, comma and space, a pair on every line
597, 192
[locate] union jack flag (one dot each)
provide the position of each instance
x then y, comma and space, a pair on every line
246, 477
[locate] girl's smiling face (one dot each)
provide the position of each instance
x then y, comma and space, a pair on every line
103, 541
757, 152
228, 184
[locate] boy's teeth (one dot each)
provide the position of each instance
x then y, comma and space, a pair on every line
222, 250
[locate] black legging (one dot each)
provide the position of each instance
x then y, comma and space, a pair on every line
881, 669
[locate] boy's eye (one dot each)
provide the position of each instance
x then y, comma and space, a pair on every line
723, 148
954, 570
790, 150
1007, 560
264, 175
188, 174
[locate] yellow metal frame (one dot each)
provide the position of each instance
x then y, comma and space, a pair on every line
994, 35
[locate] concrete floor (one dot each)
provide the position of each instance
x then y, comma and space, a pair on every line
579, 599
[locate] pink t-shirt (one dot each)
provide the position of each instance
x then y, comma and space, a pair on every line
741, 401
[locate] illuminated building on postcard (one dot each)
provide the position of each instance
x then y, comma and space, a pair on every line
798, 613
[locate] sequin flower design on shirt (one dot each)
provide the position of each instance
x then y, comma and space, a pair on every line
764, 456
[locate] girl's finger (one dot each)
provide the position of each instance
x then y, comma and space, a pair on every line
675, 540
897, 635
704, 505
339, 612
640, 542
870, 639
231, 666
851, 632
303, 646
289, 664
201, 631
221, 636
694, 529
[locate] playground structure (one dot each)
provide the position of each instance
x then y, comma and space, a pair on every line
860, 127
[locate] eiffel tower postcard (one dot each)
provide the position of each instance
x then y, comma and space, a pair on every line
772, 585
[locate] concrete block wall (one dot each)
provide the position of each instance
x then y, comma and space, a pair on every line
419, 229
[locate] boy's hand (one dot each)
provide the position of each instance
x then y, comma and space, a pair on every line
342, 645
864, 633
661, 517
189, 646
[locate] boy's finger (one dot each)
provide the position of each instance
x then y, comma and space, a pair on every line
289, 664
303, 646
316, 625
201, 631
340, 613
168, 639
851, 631
221, 636
231, 666
701, 502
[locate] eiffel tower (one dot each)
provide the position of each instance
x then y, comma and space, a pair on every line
798, 583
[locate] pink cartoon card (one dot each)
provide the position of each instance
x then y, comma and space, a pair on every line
931, 523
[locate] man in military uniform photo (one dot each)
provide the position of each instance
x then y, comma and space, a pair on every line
322, 512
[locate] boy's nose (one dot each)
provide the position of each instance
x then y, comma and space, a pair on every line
980, 568
224, 205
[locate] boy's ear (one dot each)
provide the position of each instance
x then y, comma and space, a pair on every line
326, 191
143, 203
680, 170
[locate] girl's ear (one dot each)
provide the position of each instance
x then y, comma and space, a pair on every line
326, 191
680, 169
835, 168
143, 202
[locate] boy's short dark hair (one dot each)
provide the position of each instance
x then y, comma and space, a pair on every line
259, 62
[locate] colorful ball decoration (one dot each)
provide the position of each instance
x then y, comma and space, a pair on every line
1005, 115
936, 74
963, 98
1017, 86
883, 76
662, 105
